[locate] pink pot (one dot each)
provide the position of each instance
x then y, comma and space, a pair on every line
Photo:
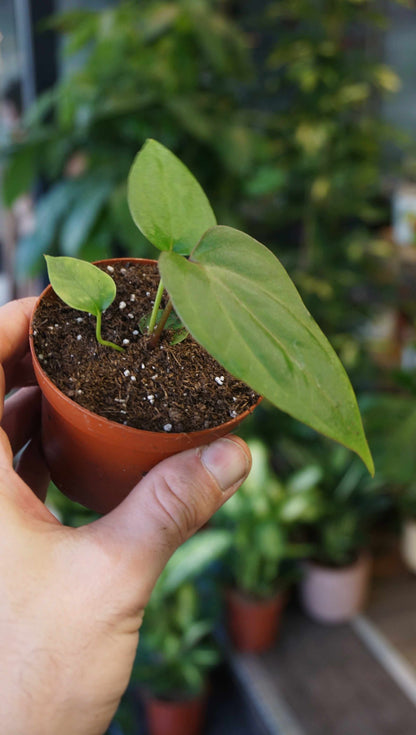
335, 595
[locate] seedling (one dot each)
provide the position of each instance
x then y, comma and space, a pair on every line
83, 286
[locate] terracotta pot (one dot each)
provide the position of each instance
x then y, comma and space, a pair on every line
253, 623
94, 461
408, 544
175, 717
335, 595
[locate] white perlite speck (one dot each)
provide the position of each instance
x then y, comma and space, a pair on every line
123, 271
233, 414
133, 378
133, 297
151, 399
79, 319
167, 427
110, 269
142, 366
130, 316
122, 305
127, 373
135, 332
79, 336
219, 380
147, 293
126, 341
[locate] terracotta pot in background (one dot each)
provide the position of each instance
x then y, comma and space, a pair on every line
408, 544
94, 461
253, 624
175, 717
335, 595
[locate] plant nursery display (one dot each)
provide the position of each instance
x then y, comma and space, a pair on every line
246, 322
177, 649
260, 519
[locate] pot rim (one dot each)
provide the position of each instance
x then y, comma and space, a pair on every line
363, 557
127, 430
246, 597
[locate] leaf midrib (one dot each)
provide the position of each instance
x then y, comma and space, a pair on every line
284, 349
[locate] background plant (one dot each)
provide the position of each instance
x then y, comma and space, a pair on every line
177, 648
349, 505
261, 520
323, 187
172, 70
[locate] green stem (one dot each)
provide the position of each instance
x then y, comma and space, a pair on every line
104, 341
156, 305
160, 327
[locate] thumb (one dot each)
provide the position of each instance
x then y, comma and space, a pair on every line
171, 502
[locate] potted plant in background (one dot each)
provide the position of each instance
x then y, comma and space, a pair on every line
335, 580
263, 336
177, 649
260, 519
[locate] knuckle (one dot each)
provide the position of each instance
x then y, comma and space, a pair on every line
172, 509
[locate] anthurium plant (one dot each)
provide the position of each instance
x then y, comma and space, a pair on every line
217, 275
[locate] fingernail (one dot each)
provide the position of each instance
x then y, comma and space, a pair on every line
227, 461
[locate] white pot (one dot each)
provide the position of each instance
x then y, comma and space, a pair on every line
335, 594
408, 544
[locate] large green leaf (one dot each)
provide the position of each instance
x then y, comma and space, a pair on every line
166, 201
49, 213
192, 558
83, 215
19, 174
80, 284
237, 300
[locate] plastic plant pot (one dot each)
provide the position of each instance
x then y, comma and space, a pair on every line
253, 624
95, 461
175, 717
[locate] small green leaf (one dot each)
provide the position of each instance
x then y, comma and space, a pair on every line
80, 284
173, 323
166, 201
179, 336
263, 334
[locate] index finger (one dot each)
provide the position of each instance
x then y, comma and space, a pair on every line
14, 339
14, 329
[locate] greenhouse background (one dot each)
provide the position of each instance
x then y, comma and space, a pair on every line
298, 118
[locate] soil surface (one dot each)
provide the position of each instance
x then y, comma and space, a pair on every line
171, 388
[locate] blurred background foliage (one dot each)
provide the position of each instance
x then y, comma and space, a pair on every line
273, 105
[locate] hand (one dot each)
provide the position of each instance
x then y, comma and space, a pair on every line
72, 600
